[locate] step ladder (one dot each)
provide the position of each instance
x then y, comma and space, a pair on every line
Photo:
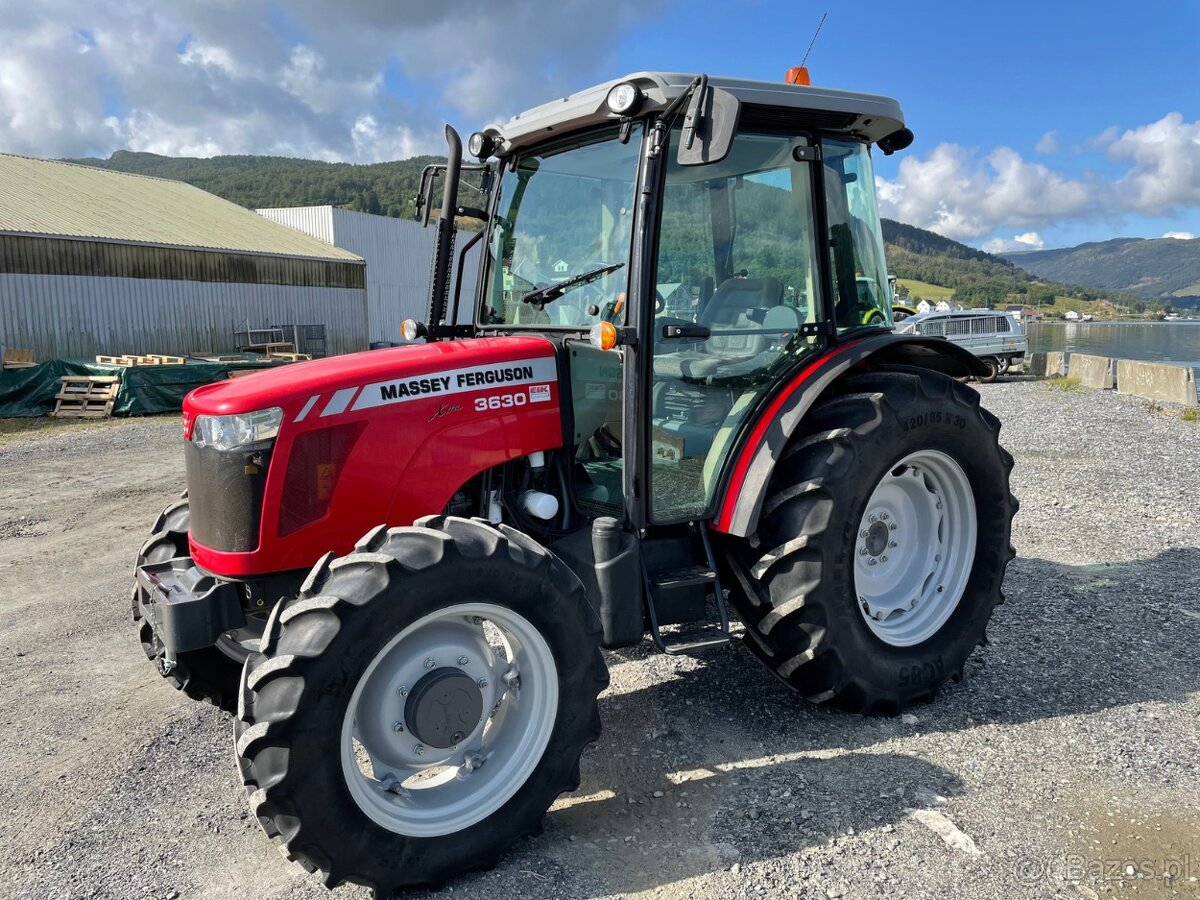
662, 582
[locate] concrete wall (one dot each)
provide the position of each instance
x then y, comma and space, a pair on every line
1157, 381
1056, 364
1092, 371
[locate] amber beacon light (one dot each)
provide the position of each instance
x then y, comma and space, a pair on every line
798, 75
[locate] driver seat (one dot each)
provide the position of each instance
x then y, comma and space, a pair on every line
738, 304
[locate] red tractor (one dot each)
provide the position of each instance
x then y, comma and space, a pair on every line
672, 393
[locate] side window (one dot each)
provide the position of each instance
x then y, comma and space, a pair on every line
735, 282
860, 285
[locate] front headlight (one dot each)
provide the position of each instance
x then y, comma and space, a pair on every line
238, 430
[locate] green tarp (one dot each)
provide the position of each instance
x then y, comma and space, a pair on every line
143, 390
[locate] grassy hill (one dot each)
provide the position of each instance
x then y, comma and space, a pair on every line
927, 264
260, 182
1161, 267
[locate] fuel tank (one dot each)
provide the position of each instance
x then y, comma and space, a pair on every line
385, 436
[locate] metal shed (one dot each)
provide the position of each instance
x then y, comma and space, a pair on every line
398, 254
94, 261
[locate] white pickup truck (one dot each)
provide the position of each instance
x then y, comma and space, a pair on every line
994, 336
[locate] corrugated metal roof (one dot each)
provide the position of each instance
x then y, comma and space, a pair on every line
60, 199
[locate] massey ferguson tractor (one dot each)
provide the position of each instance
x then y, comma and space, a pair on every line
676, 390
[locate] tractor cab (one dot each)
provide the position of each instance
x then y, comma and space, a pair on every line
688, 243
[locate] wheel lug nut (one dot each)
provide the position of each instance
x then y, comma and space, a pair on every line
402, 691
872, 561
429, 663
864, 533
462, 660
397, 727
873, 518
419, 749
892, 527
862, 551
883, 517
883, 558
893, 544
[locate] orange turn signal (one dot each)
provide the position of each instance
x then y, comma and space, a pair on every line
603, 336
797, 75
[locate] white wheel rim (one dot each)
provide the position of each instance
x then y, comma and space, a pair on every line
915, 547
418, 790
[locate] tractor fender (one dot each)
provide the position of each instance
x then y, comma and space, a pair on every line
740, 501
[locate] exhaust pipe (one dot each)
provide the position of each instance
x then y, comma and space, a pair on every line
443, 248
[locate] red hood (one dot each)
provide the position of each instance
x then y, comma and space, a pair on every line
292, 385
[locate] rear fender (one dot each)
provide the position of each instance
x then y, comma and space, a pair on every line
740, 503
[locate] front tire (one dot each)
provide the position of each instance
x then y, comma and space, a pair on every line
905, 443
365, 739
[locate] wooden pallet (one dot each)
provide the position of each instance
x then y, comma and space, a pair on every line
17, 358
289, 357
86, 396
123, 361
161, 359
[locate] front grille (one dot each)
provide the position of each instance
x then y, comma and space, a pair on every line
225, 493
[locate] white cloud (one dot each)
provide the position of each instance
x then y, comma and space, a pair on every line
1165, 157
1047, 143
1180, 235
293, 77
961, 195
955, 194
1030, 240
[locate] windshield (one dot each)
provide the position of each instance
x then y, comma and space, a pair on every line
563, 213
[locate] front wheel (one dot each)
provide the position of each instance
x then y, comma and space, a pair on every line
421, 704
882, 545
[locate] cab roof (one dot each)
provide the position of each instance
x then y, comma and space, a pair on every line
764, 103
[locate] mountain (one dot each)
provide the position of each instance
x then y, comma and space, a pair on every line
1159, 267
983, 279
972, 277
260, 182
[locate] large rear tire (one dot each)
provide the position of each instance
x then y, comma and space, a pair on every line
883, 542
421, 704
210, 674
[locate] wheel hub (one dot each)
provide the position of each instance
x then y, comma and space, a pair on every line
877, 538
443, 707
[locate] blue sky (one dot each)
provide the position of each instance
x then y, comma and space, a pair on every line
1037, 124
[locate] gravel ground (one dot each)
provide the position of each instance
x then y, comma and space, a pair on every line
1066, 764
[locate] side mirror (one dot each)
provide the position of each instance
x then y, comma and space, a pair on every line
897, 140
709, 127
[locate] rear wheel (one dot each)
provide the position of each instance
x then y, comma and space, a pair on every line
882, 545
210, 674
993, 369
421, 704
